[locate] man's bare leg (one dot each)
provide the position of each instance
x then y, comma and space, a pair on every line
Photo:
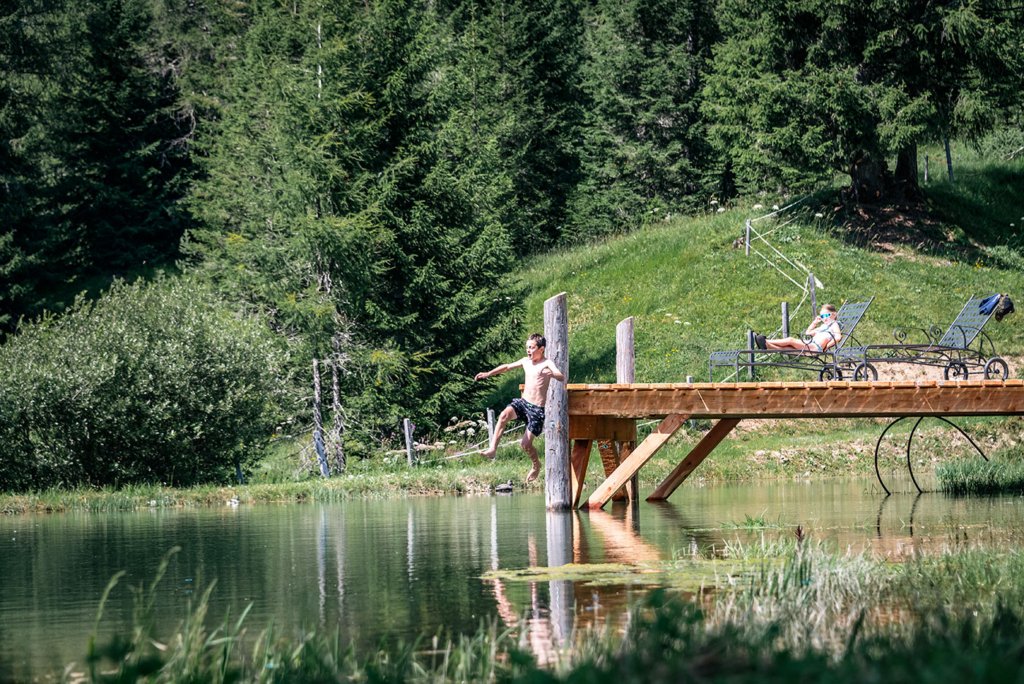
531, 450
508, 414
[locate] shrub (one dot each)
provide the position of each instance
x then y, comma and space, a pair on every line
150, 383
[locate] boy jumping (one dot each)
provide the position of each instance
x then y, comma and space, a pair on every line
530, 408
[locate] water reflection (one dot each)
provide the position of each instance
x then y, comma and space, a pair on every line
396, 569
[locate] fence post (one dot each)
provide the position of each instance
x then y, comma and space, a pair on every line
407, 428
490, 425
338, 451
318, 423
949, 161
746, 242
785, 319
926, 168
689, 381
814, 296
750, 357
558, 489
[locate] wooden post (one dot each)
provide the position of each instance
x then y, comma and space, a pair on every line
340, 463
949, 161
318, 423
785, 319
750, 357
926, 168
407, 429
625, 374
490, 425
693, 423
558, 489
580, 461
814, 296
747, 239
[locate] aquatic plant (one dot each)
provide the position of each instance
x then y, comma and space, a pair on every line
812, 614
977, 476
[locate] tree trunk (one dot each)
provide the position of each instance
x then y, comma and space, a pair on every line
906, 169
871, 181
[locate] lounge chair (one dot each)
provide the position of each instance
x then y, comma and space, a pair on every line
949, 348
829, 364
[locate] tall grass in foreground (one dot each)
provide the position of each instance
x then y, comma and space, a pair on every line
803, 612
978, 476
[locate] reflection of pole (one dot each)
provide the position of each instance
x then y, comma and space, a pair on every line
321, 564
559, 524
409, 537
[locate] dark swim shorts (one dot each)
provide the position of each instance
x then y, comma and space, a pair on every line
533, 415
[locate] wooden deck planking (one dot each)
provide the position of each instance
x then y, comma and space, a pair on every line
800, 400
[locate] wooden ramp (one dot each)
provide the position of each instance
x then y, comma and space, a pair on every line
605, 412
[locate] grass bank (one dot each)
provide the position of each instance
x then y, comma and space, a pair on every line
795, 611
783, 449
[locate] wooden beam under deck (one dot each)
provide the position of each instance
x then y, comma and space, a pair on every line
800, 399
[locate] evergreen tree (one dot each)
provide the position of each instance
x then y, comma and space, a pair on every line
643, 149
94, 172
802, 88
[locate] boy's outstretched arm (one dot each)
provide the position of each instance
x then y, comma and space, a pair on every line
553, 371
499, 370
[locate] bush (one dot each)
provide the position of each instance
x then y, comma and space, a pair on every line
151, 383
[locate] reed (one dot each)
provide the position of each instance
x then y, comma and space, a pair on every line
977, 476
804, 611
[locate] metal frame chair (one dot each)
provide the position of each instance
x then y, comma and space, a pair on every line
829, 364
949, 349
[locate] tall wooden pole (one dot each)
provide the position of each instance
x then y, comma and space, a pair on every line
318, 423
558, 488
407, 430
625, 374
338, 451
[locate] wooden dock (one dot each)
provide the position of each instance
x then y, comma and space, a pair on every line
606, 414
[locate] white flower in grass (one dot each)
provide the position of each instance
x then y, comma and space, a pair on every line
775, 207
714, 201
758, 206
819, 215
470, 431
721, 209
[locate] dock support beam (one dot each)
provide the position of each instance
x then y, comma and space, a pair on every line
558, 491
636, 460
696, 456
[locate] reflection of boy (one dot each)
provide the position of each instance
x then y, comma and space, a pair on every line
530, 408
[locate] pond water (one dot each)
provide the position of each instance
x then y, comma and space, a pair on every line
398, 568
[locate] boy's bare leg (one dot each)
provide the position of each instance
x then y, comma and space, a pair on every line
531, 450
508, 414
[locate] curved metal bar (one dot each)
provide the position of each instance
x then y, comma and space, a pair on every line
910, 440
966, 436
878, 474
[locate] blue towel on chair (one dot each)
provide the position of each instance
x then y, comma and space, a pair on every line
988, 305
